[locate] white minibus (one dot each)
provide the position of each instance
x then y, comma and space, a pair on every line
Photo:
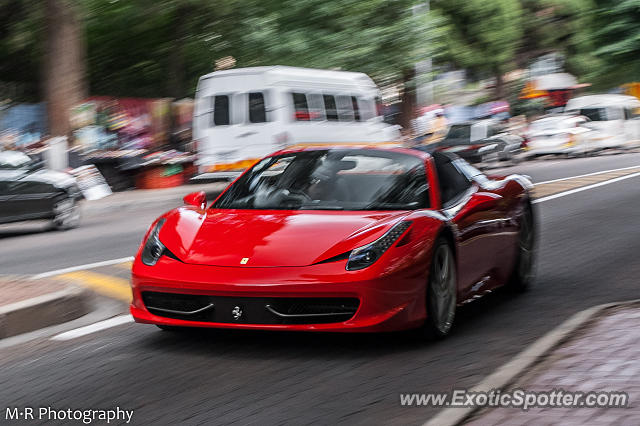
244, 114
614, 119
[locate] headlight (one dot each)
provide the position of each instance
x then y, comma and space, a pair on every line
365, 256
153, 248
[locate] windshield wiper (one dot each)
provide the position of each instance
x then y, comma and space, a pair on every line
320, 207
391, 206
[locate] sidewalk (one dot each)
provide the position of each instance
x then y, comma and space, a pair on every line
138, 197
28, 305
603, 356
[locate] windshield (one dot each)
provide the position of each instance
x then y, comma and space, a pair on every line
594, 114
458, 134
13, 160
333, 179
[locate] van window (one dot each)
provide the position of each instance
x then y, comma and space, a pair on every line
220, 110
367, 108
316, 107
330, 107
257, 110
356, 110
300, 107
630, 113
345, 110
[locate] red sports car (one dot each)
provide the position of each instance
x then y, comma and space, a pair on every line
337, 239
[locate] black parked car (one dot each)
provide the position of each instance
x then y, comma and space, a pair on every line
28, 192
481, 141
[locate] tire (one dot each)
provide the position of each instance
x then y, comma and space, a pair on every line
523, 273
66, 214
441, 297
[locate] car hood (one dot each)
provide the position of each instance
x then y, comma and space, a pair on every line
261, 238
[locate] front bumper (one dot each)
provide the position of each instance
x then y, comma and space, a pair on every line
385, 299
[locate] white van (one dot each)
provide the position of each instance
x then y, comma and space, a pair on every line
614, 119
244, 114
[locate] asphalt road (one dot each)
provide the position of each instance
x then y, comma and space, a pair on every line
588, 255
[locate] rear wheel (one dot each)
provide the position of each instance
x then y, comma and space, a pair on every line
524, 270
441, 291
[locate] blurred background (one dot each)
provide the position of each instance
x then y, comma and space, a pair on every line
57, 54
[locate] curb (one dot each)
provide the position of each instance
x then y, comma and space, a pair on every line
101, 207
43, 311
509, 372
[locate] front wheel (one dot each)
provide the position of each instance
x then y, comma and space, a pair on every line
66, 214
441, 291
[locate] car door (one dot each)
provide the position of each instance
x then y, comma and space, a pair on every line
469, 208
32, 197
6, 203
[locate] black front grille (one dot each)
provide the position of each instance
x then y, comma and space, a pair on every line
251, 310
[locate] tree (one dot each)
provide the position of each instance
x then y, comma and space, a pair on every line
563, 26
382, 38
483, 36
20, 50
64, 66
617, 41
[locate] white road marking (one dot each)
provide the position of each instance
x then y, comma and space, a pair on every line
584, 188
586, 175
82, 267
92, 328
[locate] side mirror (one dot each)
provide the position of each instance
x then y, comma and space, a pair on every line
197, 199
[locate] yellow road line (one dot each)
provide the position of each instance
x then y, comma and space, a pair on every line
551, 188
124, 265
108, 285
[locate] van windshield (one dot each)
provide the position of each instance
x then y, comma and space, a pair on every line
333, 179
595, 114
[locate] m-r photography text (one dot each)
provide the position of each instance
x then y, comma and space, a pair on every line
68, 415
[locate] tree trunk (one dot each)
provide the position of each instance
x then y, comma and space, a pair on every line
64, 64
408, 99
176, 80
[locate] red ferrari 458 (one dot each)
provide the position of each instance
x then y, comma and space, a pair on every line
337, 239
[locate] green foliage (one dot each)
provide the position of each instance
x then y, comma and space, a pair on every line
382, 38
482, 36
20, 50
564, 26
617, 41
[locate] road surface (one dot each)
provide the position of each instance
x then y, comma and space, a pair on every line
588, 255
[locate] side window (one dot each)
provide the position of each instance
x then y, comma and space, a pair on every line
300, 107
356, 110
345, 109
367, 109
257, 109
630, 113
451, 181
330, 107
316, 107
221, 110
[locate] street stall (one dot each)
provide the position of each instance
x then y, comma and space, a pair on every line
131, 142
